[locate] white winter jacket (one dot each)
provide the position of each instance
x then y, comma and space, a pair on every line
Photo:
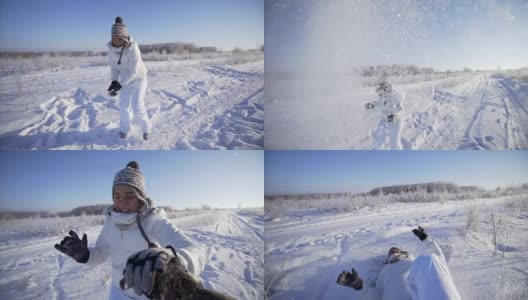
393, 282
131, 68
391, 103
118, 244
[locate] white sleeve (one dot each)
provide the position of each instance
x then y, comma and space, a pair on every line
132, 66
169, 235
433, 248
114, 72
99, 253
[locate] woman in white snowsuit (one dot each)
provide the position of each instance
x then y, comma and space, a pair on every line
390, 101
405, 277
387, 135
129, 79
131, 225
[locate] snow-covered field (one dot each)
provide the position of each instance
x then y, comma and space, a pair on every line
471, 111
306, 250
32, 269
192, 105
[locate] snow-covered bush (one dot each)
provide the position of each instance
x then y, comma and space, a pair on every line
212, 58
412, 193
23, 65
200, 219
521, 74
518, 203
50, 226
19, 66
472, 219
499, 232
510, 284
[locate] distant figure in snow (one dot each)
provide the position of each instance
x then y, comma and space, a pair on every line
129, 75
405, 277
389, 100
387, 135
132, 225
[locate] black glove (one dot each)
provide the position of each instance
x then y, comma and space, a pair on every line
114, 88
143, 267
158, 273
420, 233
369, 105
75, 247
350, 280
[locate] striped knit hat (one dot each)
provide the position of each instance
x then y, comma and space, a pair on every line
132, 178
119, 28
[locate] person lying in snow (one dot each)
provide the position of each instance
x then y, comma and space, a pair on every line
129, 75
389, 100
405, 277
132, 225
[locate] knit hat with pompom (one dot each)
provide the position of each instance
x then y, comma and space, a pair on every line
132, 178
119, 28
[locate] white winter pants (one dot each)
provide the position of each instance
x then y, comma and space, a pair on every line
132, 99
430, 279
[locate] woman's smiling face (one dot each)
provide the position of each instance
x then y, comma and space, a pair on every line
117, 41
125, 201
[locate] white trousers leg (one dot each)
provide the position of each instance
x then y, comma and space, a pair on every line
132, 98
430, 279
124, 110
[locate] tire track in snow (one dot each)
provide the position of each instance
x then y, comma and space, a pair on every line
231, 226
56, 290
240, 127
521, 120
469, 140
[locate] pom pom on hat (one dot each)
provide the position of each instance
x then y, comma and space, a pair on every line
133, 164
119, 20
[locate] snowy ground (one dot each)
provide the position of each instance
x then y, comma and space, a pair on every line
191, 105
32, 268
306, 250
477, 111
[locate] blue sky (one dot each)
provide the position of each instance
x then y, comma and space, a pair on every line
359, 171
86, 24
480, 34
62, 180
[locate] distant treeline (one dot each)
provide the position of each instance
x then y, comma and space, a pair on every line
422, 188
402, 70
36, 54
429, 188
161, 48
176, 48
78, 211
87, 210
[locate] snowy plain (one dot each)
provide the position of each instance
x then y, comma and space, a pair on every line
193, 104
459, 112
306, 249
32, 268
